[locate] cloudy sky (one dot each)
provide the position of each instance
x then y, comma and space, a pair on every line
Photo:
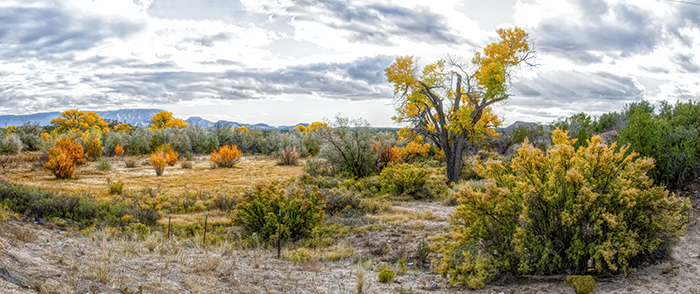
288, 61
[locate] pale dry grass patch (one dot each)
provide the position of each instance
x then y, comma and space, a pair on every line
88, 179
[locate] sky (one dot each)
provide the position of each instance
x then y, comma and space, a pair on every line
283, 62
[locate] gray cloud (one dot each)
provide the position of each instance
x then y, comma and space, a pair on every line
377, 23
685, 61
44, 32
361, 79
621, 29
578, 91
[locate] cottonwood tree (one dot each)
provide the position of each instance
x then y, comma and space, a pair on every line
80, 121
164, 119
448, 102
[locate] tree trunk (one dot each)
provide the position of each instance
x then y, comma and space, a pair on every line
454, 166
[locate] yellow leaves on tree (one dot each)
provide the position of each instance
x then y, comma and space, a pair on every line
164, 119
64, 157
301, 128
317, 125
242, 129
79, 121
226, 156
122, 127
10, 128
448, 103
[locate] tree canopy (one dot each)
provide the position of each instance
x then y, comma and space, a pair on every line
80, 121
448, 102
164, 119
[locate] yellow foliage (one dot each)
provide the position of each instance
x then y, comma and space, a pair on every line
413, 149
317, 125
119, 150
242, 129
171, 155
45, 137
301, 128
561, 211
122, 127
164, 119
91, 138
226, 156
11, 128
158, 162
64, 157
79, 122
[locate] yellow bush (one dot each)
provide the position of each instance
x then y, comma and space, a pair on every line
226, 156
242, 129
122, 127
118, 151
158, 162
556, 212
413, 149
91, 138
64, 157
386, 276
171, 155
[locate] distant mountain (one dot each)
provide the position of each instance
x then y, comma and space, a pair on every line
509, 129
135, 117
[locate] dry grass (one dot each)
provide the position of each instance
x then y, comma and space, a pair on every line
88, 179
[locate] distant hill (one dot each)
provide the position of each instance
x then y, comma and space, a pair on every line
135, 117
509, 129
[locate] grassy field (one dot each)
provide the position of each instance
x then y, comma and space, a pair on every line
175, 180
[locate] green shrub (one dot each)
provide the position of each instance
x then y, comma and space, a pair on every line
581, 284
81, 209
386, 276
30, 135
223, 202
347, 147
104, 164
415, 180
671, 137
297, 207
193, 229
11, 144
554, 212
139, 141
116, 187
342, 201
299, 255
114, 139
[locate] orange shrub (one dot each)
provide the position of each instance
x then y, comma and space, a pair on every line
226, 156
158, 162
386, 153
118, 151
170, 154
64, 157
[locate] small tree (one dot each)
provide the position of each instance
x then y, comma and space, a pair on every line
164, 119
93, 144
79, 121
456, 113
